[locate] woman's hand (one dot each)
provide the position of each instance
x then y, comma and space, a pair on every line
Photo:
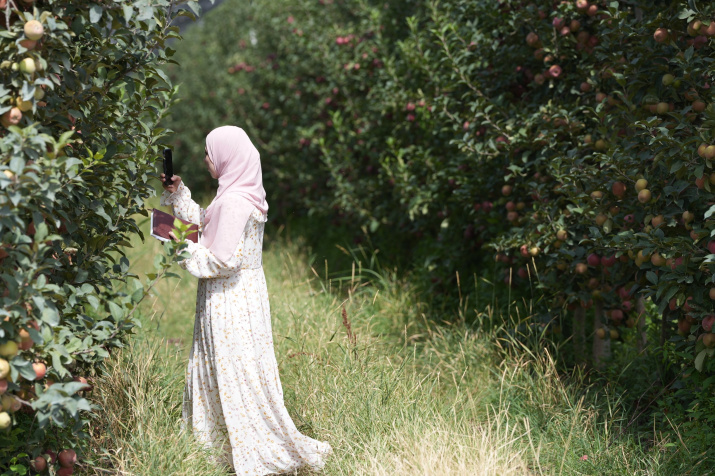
174, 186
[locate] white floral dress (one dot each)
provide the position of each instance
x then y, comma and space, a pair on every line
233, 397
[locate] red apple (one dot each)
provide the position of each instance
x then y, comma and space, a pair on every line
660, 35
40, 370
593, 259
68, 458
708, 322
39, 464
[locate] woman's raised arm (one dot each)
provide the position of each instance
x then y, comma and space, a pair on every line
178, 196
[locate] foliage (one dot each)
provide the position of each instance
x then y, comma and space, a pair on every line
570, 141
80, 98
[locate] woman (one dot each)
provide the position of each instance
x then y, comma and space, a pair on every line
233, 397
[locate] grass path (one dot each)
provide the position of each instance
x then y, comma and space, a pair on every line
363, 369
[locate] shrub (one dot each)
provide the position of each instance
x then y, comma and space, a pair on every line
569, 141
80, 97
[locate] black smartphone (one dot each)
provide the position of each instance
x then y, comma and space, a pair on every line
168, 167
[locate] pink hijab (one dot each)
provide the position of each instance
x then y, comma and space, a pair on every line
240, 189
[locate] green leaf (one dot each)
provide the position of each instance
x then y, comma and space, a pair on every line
699, 359
95, 13
116, 311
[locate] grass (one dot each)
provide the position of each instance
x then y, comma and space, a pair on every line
363, 368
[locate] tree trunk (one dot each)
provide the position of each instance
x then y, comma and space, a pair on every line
579, 336
641, 339
601, 346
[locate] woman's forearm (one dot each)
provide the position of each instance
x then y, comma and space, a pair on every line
204, 264
184, 207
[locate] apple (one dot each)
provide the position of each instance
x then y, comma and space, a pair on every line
34, 30
700, 182
562, 235
510, 206
40, 370
5, 367
3, 386
67, 458
11, 117
592, 10
582, 5
39, 464
708, 322
593, 259
585, 87
667, 79
575, 25
657, 260
601, 219
662, 107
613, 334
701, 149
512, 216
5, 420
601, 333
644, 196
709, 152
643, 257
698, 106
711, 293
709, 340
581, 268
597, 195
65, 472
51, 455
27, 65
534, 251
660, 35
506, 190
617, 315
710, 30
9, 349
688, 216
555, 71
641, 184
522, 273
686, 304
618, 189
608, 261
10, 403
657, 220
532, 39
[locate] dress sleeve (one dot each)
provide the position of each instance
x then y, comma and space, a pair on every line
204, 264
182, 204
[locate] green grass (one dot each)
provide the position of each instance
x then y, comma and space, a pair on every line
393, 394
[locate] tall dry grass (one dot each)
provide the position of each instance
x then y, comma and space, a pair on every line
364, 368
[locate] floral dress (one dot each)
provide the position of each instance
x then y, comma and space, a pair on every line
233, 397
